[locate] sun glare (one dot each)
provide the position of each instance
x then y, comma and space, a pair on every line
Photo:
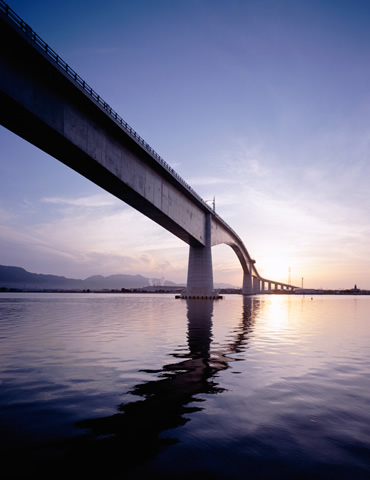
275, 268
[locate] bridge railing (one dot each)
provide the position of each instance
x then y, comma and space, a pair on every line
52, 55
37, 40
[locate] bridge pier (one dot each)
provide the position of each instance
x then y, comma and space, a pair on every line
247, 288
256, 285
200, 272
247, 283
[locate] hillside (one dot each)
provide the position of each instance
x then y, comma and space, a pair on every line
19, 278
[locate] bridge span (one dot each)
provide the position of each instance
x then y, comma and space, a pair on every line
44, 101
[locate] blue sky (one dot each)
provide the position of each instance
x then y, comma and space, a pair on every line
263, 104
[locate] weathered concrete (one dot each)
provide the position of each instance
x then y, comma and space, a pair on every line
40, 103
200, 272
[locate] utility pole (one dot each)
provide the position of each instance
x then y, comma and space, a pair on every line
289, 277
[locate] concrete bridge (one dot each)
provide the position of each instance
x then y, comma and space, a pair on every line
48, 104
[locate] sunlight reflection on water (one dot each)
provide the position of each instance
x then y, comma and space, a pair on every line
271, 385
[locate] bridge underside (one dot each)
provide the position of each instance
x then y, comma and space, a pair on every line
200, 276
28, 126
45, 104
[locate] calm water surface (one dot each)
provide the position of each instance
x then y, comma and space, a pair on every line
147, 386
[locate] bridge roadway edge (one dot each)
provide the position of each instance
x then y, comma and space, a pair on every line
42, 126
37, 118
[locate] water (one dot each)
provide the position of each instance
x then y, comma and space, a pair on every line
137, 386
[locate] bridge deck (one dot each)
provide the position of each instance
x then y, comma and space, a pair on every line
47, 103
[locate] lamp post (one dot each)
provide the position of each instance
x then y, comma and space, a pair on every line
213, 203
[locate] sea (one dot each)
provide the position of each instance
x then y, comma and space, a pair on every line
131, 386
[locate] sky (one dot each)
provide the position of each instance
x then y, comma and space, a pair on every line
262, 104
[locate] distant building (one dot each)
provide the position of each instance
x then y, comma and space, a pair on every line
308, 291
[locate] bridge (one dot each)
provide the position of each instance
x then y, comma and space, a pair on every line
44, 101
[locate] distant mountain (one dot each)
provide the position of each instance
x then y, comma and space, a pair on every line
19, 278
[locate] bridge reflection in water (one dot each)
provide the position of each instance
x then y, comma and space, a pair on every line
137, 433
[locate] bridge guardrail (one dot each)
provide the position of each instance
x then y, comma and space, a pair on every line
46, 49
37, 40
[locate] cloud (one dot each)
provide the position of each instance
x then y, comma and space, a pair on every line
209, 180
311, 214
90, 201
6, 216
90, 235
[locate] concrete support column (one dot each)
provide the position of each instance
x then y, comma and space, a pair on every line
200, 273
269, 287
248, 281
256, 285
247, 284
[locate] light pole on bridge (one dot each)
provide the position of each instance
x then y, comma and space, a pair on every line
213, 203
